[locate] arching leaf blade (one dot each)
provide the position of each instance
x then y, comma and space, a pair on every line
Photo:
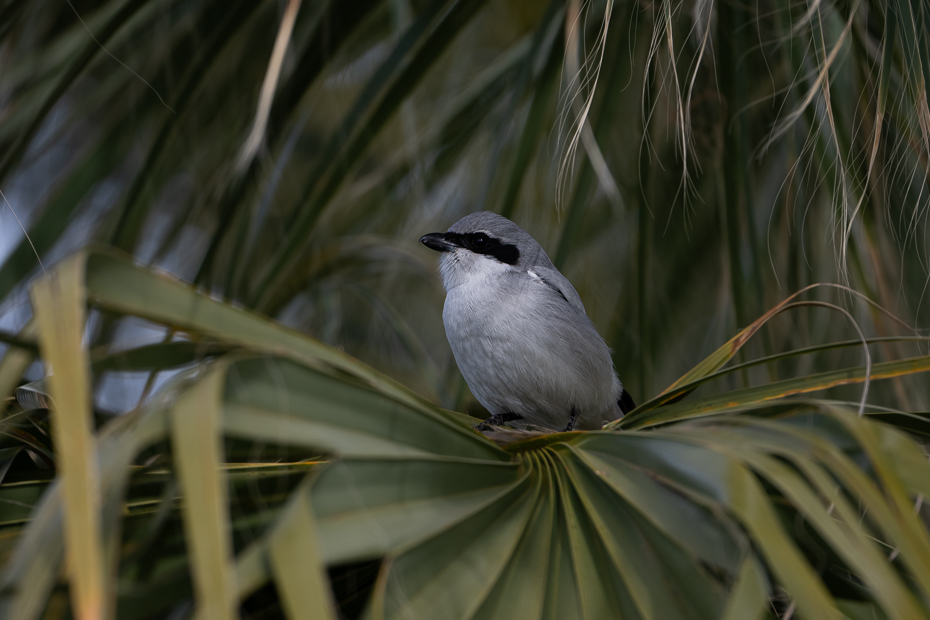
779, 389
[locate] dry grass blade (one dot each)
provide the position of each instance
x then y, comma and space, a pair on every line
724, 354
257, 134
584, 76
296, 563
719, 358
58, 303
25, 234
197, 443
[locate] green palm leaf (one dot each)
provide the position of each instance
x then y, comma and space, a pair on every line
673, 523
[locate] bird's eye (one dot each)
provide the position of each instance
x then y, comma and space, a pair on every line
480, 240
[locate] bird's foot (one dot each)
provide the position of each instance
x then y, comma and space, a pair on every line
571, 421
497, 420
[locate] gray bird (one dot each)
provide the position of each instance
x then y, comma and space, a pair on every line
519, 331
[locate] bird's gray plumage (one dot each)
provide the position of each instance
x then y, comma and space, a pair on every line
518, 329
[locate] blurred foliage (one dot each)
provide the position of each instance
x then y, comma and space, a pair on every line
786, 145
686, 165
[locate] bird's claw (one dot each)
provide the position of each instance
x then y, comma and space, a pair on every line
571, 421
497, 419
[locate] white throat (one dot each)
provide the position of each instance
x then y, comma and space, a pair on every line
463, 267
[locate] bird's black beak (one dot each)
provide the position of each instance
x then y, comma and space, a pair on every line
438, 242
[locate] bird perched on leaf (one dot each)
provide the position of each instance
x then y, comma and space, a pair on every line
519, 331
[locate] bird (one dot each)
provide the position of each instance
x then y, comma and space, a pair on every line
519, 332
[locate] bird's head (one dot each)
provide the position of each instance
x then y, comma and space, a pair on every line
483, 244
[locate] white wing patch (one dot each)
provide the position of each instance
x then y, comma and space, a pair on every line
557, 282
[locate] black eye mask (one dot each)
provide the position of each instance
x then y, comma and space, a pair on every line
481, 243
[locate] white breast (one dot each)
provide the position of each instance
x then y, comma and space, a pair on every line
522, 348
